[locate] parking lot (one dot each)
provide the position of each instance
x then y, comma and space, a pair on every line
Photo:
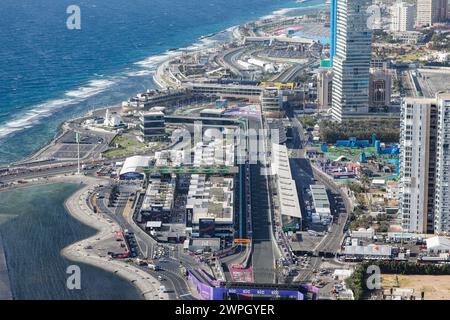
70, 151
113, 246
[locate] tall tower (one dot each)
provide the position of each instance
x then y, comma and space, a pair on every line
417, 164
333, 18
425, 164
442, 198
351, 62
402, 17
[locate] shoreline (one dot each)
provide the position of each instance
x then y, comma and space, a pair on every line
77, 208
5, 281
144, 283
166, 57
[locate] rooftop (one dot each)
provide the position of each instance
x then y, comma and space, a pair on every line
287, 189
434, 242
159, 195
435, 79
132, 164
211, 198
320, 196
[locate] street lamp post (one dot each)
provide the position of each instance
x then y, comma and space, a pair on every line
77, 138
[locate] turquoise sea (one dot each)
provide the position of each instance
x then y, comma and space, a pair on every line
35, 227
49, 73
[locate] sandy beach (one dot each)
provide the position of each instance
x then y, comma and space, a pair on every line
77, 207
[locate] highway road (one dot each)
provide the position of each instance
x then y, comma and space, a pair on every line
40, 173
264, 253
305, 174
307, 274
175, 282
291, 73
50, 169
229, 60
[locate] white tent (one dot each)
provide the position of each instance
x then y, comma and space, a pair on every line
438, 244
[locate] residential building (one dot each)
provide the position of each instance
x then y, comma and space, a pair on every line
409, 37
402, 17
430, 12
442, 201
424, 164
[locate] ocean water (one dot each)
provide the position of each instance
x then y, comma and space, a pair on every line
35, 227
49, 74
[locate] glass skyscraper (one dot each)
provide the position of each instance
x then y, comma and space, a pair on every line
333, 13
351, 61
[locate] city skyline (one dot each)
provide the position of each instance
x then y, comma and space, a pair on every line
266, 150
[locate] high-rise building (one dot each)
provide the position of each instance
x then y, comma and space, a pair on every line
431, 11
333, 25
152, 125
324, 87
402, 17
442, 201
380, 88
352, 60
424, 164
417, 164
271, 102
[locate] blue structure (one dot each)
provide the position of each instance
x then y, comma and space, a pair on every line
352, 142
374, 139
132, 176
324, 147
333, 29
394, 150
378, 146
362, 157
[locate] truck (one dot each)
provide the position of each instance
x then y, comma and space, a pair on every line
153, 267
162, 289
140, 262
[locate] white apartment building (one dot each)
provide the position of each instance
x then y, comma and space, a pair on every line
402, 17
416, 142
442, 202
424, 164
352, 60
431, 11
